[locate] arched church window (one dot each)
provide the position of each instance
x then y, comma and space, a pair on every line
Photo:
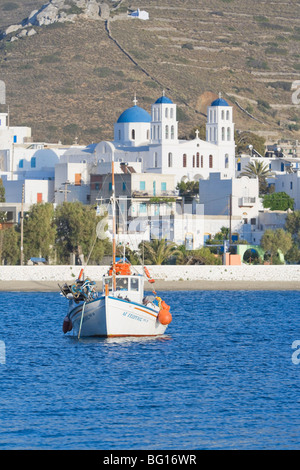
223, 133
170, 160
201, 161
227, 115
228, 133
147, 134
171, 113
155, 160
184, 160
172, 132
167, 112
226, 160
119, 134
210, 161
197, 163
133, 134
193, 161
222, 115
215, 134
167, 132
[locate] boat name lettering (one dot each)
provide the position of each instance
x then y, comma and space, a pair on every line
134, 317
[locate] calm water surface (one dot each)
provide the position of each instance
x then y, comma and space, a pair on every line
222, 378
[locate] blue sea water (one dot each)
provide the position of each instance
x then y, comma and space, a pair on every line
221, 378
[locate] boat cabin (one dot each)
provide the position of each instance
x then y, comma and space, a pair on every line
127, 287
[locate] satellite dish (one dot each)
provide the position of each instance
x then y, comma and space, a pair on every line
100, 229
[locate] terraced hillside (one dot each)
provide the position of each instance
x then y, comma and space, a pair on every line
73, 80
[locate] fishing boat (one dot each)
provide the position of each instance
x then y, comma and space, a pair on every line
121, 309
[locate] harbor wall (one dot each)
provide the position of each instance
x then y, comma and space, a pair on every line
245, 273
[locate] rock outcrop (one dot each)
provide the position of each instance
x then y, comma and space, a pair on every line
57, 11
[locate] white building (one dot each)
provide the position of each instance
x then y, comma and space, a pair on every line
232, 201
140, 14
152, 139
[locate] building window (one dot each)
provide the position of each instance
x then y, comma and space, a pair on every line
201, 161
143, 208
21, 163
167, 132
172, 132
163, 187
142, 185
97, 186
228, 133
167, 112
133, 134
197, 161
170, 158
147, 135
155, 160
222, 115
124, 186
210, 161
226, 160
119, 134
184, 163
33, 162
39, 197
227, 115
223, 133
193, 161
171, 113
110, 186
15, 139
291, 185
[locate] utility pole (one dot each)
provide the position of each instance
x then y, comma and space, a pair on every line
22, 226
230, 219
65, 191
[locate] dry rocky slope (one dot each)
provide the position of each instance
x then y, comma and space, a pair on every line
72, 66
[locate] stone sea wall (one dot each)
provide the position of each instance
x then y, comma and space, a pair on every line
282, 273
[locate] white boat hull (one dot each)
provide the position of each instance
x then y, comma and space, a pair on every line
110, 316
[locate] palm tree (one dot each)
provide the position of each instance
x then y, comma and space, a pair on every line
158, 251
259, 170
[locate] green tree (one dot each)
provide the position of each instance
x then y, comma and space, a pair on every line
158, 251
202, 256
188, 188
259, 170
10, 247
39, 231
274, 240
278, 201
292, 224
76, 233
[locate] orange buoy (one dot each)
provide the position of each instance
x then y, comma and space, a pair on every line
148, 275
164, 315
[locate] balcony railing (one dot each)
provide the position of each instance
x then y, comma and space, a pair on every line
247, 201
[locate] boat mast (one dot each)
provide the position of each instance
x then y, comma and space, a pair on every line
113, 198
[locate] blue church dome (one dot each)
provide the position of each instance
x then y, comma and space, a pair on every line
219, 102
164, 99
135, 114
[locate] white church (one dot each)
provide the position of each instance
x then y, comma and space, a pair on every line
152, 140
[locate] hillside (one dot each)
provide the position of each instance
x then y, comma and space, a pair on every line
74, 79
